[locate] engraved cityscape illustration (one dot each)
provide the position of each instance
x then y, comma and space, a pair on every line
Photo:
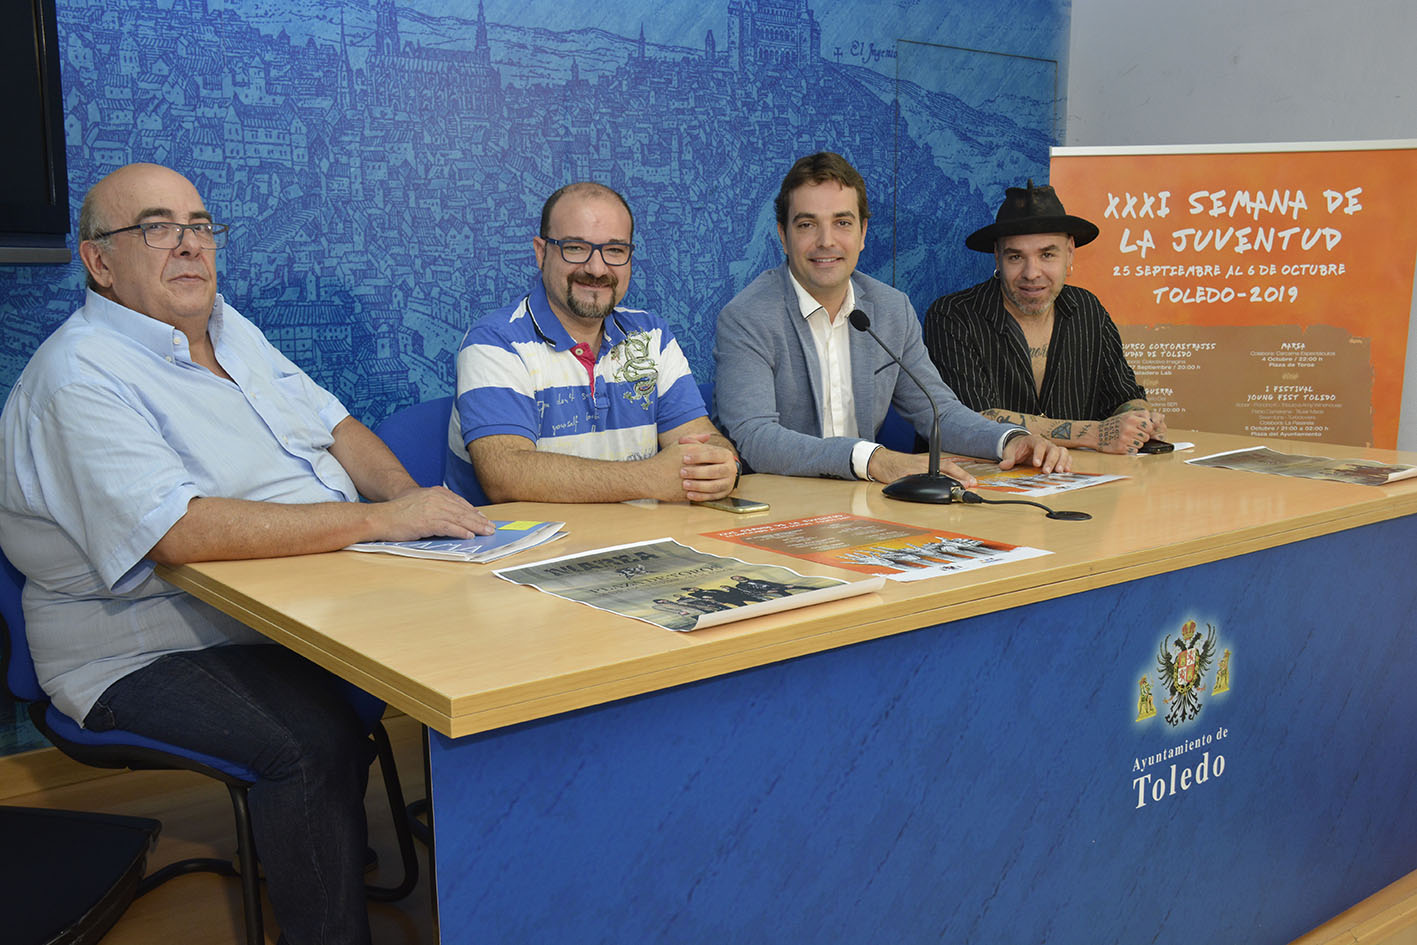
383, 165
385, 174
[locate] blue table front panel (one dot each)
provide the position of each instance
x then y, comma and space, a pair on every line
992, 780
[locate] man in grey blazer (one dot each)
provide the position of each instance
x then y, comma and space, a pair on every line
800, 392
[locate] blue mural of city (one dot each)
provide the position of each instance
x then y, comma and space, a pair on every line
383, 164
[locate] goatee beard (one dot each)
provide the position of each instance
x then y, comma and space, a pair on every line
590, 309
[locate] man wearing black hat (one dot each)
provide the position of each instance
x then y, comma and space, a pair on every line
1023, 347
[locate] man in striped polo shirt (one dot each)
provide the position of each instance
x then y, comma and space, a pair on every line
1023, 347
565, 396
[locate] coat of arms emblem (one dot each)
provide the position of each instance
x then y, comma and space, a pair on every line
1183, 672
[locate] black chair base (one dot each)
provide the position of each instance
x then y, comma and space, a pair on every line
403, 826
421, 831
245, 837
246, 844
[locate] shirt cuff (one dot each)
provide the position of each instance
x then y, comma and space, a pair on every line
861, 457
1009, 434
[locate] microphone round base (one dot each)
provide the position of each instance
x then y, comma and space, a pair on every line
922, 487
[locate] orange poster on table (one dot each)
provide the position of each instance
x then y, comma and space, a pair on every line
1259, 289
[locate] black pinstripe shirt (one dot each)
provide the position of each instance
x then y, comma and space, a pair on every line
980, 352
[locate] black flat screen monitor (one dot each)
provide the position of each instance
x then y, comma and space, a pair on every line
34, 180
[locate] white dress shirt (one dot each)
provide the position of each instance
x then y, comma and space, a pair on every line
832, 339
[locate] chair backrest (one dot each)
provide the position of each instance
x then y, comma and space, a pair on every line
418, 435
896, 433
19, 667
706, 392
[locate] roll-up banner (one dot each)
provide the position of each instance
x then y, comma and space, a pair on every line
1259, 289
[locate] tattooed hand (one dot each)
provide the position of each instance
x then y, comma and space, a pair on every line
1125, 432
1158, 422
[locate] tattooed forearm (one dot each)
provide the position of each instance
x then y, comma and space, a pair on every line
1062, 432
1005, 416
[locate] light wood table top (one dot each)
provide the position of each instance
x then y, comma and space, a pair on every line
465, 652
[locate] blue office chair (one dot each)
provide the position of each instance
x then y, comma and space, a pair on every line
897, 434
418, 435
706, 392
119, 749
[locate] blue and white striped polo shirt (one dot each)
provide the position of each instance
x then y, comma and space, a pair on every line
517, 375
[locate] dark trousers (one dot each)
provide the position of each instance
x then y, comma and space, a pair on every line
268, 709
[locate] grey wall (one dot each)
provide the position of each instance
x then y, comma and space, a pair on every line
1213, 71
1242, 71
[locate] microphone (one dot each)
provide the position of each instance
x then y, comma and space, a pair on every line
927, 486
933, 486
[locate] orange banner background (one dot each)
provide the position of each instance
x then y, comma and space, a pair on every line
1264, 292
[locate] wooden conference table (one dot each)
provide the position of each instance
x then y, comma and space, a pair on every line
965, 758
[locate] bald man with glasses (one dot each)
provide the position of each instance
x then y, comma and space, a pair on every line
157, 425
567, 396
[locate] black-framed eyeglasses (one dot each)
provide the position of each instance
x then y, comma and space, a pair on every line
169, 235
577, 252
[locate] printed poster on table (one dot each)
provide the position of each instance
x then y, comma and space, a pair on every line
900, 552
673, 586
1028, 481
1362, 472
1259, 289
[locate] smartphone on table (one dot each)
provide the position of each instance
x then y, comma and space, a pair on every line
734, 504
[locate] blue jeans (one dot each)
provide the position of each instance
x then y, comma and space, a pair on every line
273, 711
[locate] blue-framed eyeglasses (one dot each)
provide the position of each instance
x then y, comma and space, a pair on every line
577, 252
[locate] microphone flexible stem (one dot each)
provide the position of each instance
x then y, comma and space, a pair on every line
861, 322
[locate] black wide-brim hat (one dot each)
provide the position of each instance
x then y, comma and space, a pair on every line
1031, 210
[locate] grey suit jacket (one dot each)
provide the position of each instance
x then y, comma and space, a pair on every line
768, 382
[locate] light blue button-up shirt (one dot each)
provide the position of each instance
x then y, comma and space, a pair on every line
108, 434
